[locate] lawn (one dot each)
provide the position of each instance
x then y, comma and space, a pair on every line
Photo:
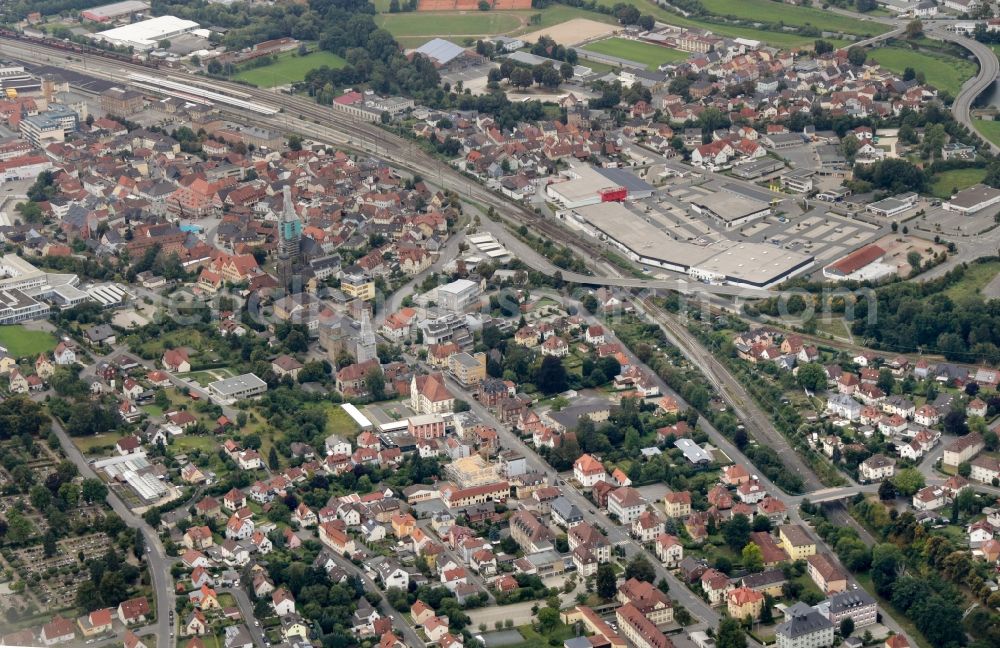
944, 72
21, 342
207, 376
651, 55
289, 67
534, 639
155, 347
448, 24
777, 12
188, 442
988, 129
943, 184
89, 445
340, 423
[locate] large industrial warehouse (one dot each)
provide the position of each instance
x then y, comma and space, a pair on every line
146, 35
591, 185
747, 264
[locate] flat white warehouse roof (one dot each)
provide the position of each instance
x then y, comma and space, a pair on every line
356, 414
758, 264
147, 33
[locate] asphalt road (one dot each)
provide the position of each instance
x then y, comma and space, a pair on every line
156, 556
245, 605
989, 68
403, 628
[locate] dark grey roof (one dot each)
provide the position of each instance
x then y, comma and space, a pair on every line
850, 600
803, 623
626, 179
566, 509
769, 577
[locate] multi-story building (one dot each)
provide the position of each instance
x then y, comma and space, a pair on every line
649, 600
669, 550
121, 102
677, 504
459, 498
425, 426
588, 471
626, 503
829, 578
796, 541
469, 370
357, 285
963, 449
856, 605
805, 628
584, 535
530, 533
876, 468
458, 295
49, 126
744, 602
985, 469
640, 631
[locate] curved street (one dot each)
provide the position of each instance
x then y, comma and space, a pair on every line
989, 67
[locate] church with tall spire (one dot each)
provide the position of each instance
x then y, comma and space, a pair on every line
289, 240
290, 228
366, 348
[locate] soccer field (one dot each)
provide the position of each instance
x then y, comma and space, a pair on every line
651, 55
21, 342
289, 68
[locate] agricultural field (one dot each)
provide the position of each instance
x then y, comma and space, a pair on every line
289, 68
651, 55
21, 342
447, 25
946, 73
990, 130
943, 184
412, 29
789, 14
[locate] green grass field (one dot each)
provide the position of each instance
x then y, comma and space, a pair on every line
775, 12
186, 442
977, 275
207, 376
21, 342
790, 14
289, 68
944, 72
410, 28
651, 55
340, 423
448, 24
87, 445
943, 183
988, 129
